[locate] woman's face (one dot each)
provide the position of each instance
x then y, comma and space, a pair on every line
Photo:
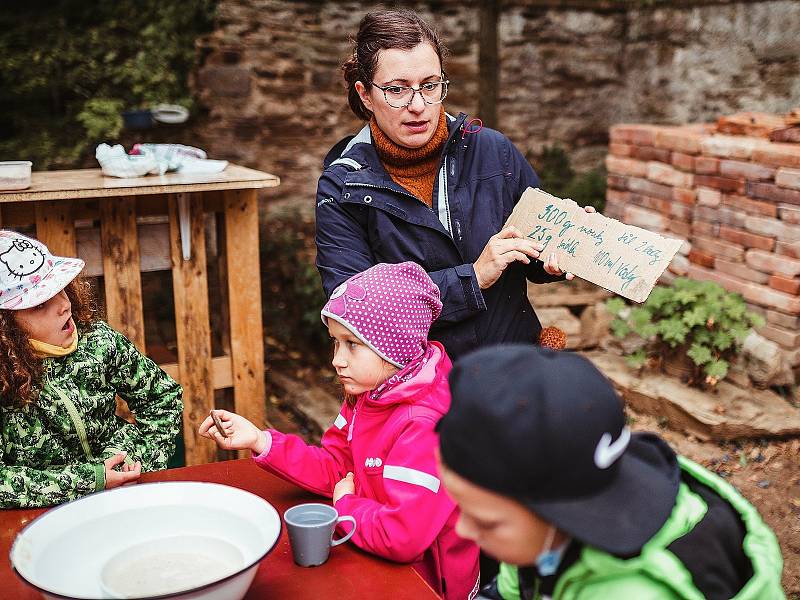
50, 322
501, 526
415, 124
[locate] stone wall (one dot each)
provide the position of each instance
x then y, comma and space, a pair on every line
271, 94
735, 199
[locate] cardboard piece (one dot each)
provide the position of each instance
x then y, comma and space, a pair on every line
624, 259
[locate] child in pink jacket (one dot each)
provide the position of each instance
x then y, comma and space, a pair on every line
377, 460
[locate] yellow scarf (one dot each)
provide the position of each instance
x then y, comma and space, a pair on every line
45, 350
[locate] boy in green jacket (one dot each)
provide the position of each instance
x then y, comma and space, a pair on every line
59, 377
551, 482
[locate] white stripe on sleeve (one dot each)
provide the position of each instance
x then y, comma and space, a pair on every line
340, 422
413, 476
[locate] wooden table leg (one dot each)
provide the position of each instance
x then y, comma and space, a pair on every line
55, 227
190, 289
244, 297
119, 241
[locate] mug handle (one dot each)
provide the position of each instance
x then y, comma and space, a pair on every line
349, 535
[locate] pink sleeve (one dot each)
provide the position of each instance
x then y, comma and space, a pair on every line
315, 468
417, 506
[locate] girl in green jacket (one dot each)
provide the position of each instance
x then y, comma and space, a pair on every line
551, 482
60, 437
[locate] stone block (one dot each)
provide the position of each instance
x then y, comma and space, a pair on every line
737, 169
788, 178
663, 173
789, 213
641, 135
595, 323
642, 217
626, 166
618, 149
679, 265
684, 195
718, 248
783, 337
746, 239
650, 153
728, 146
741, 270
701, 258
649, 188
757, 294
683, 212
778, 155
678, 139
754, 207
772, 263
684, 162
706, 165
778, 318
708, 197
725, 184
765, 361
227, 81
680, 228
772, 192
705, 228
789, 285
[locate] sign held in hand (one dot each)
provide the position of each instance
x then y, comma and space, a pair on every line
624, 259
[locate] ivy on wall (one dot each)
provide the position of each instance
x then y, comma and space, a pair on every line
69, 68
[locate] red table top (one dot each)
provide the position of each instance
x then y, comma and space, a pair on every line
349, 572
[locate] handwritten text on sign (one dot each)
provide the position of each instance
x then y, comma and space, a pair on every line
622, 258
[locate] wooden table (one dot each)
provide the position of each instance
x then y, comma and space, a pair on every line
349, 572
122, 227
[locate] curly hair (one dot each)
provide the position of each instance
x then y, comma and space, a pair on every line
21, 370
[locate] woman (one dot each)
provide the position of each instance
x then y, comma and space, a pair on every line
418, 184
549, 480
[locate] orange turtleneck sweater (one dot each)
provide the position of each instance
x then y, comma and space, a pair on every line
414, 169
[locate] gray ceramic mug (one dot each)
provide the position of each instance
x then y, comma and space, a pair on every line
311, 528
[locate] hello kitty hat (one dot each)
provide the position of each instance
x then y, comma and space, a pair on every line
29, 274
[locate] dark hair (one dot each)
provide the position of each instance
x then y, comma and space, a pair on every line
400, 29
21, 370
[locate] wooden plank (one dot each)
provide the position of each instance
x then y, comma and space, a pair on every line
154, 248
244, 298
190, 288
55, 227
90, 183
123, 285
221, 372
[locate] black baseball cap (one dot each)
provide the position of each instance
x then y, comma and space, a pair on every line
547, 429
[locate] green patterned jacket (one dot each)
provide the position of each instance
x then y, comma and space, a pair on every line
53, 450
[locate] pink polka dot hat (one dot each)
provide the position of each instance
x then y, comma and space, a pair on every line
388, 307
29, 274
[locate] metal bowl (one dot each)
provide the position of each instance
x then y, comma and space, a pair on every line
176, 540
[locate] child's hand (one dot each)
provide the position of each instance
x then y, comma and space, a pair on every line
344, 487
241, 433
126, 474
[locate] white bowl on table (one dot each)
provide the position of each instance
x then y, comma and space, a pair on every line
177, 540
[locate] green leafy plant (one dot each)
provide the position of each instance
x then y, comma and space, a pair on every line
698, 320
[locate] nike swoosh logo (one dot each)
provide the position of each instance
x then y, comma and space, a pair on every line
607, 453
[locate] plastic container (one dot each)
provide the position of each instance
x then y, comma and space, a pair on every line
15, 174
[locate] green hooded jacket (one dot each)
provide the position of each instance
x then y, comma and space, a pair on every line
657, 574
52, 450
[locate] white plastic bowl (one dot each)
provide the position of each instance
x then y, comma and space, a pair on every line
147, 541
15, 174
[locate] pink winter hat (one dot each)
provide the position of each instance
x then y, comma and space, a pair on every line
388, 307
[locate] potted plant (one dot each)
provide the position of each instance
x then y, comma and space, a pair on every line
691, 329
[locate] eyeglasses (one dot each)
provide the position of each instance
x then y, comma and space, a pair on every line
400, 96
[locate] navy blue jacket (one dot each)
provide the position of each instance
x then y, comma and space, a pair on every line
365, 218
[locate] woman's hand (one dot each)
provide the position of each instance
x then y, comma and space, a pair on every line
241, 433
127, 473
344, 487
551, 264
502, 249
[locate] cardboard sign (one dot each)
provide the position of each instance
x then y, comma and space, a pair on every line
624, 259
